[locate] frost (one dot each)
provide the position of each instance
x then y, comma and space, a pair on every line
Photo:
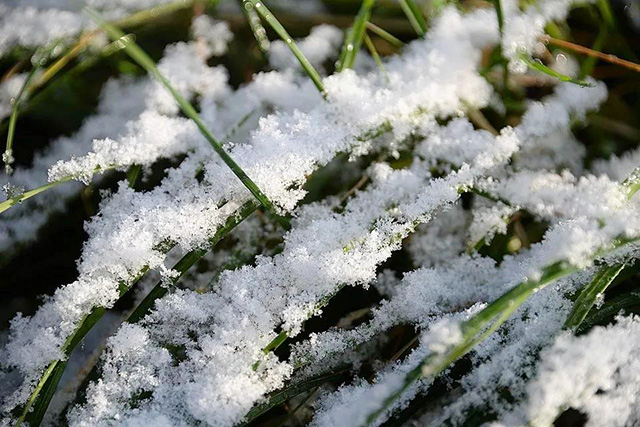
198, 357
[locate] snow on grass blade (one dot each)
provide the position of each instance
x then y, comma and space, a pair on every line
356, 33
7, 157
539, 66
414, 14
41, 396
589, 294
483, 324
284, 35
138, 55
189, 259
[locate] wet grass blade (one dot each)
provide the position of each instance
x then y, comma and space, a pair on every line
138, 55
284, 35
354, 38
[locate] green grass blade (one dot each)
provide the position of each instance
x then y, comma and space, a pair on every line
284, 35
375, 55
539, 66
630, 303
7, 157
290, 392
355, 35
414, 14
253, 20
385, 35
138, 55
632, 183
11, 201
189, 259
589, 294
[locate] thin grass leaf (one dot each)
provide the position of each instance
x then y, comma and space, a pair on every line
284, 35
414, 14
609, 310
539, 66
385, 35
375, 55
589, 295
353, 40
253, 20
133, 174
12, 201
290, 392
7, 157
138, 55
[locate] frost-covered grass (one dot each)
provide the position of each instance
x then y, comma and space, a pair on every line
320, 213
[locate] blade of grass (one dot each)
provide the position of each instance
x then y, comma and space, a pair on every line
589, 295
414, 14
290, 392
28, 194
253, 20
284, 35
7, 157
609, 310
385, 35
138, 55
353, 40
375, 55
539, 66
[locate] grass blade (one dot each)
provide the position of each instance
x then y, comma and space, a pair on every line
539, 66
414, 14
355, 35
7, 157
375, 55
11, 201
253, 20
589, 294
290, 392
385, 35
284, 35
138, 55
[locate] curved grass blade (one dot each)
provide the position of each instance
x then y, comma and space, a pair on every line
539, 66
138, 55
355, 35
284, 35
609, 310
414, 14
